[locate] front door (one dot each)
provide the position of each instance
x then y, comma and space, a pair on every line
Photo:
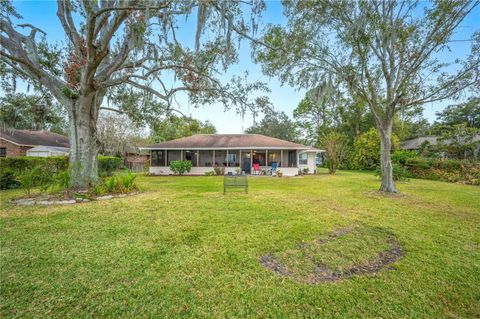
246, 162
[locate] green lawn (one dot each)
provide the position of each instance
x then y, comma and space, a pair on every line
183, 249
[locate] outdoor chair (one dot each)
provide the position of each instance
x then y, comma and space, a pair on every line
274, 167
235, 181
256, 169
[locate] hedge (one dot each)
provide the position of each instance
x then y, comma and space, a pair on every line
444, 170
12, 167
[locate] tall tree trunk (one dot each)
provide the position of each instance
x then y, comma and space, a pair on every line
84, 143
385, 132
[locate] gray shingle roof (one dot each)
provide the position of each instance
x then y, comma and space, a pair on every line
231, 141
33, 138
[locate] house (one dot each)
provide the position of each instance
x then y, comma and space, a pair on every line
233, 152
15, 142
415, 143
418, 142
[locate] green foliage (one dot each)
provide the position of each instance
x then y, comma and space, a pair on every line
28, 179
8, 179
210, 173
32, 112
464, 113
275, 124
110, 184
48, 170
122, 183
107, 165
334, 143
459, 141
398, 171
175, 127
127, 182
444, 170
366, 150
180, 167
402, 156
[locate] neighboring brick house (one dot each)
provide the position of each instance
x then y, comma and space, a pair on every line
15, 142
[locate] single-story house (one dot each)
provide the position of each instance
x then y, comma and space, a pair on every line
233, 152
15, 142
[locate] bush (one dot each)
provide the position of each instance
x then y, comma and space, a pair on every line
48, 167
366, 150
219, 170
107, 165
180, 167
127, 182
8, 180
444, 170
210, 173
399, 172
402, 156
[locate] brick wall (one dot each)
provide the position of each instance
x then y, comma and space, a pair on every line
13, 149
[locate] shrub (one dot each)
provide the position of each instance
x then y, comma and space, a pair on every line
8, 180
366, 150
111, 184
399, 172
127, 182
305, 170
401, 156
107, 165
219, 170
180, 167
334, 143
210, 173
28, 179
444, 170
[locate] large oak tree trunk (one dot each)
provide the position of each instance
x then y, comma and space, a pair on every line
84, 143
385, 159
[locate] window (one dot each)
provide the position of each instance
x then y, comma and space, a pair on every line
158, 158
233, 159
3, 152
303, 158
192, 157
206, 158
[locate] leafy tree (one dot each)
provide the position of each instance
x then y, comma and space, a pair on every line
383, 51
335, 145
117, 46
366, 150
275, 124
32, 112
315, 112
467, 113
460, 141
118, 134
175, 127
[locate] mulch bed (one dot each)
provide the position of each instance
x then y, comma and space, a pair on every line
322, 273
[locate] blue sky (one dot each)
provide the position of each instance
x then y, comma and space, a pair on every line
285, 98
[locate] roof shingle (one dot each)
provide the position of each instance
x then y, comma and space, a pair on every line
33, 138
219, 141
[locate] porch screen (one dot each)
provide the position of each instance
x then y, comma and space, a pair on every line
205, 158
158, 158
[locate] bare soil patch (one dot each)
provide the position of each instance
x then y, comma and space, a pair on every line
322, 273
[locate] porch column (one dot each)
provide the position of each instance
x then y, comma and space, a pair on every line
166, 160
213, 158
198, 157
281, 158
251, 160
181, 155
240, 160
266, 159
227, 158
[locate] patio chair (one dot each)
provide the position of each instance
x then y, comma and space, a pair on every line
256, 169
274, 167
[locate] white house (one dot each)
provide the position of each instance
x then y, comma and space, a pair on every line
233, 152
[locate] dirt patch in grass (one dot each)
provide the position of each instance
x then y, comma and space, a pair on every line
319, 272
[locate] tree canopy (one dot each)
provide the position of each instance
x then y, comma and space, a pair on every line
275, 124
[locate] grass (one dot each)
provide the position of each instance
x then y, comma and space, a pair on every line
183, 249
